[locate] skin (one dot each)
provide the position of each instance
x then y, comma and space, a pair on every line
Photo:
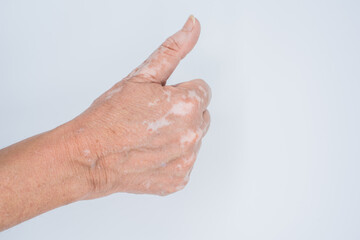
141, 136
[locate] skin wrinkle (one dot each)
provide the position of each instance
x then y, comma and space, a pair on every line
102, 180
140, 78
169, 42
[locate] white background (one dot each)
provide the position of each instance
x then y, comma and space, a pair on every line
281, 159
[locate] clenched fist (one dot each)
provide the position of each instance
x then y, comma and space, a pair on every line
143, 136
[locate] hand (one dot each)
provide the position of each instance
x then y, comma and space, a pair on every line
143, 136
140, 136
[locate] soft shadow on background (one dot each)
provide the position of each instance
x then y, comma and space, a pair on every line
281, 158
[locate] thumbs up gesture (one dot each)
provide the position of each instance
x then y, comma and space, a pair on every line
143, 136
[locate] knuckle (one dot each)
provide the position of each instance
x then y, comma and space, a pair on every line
165, 190
204, 89
143, 76
171, 46
172, 189
185, 182
189, 140
164, 193
200, 81
178, 186
188, 162
180, 94
181, 185
195, 101
175, 184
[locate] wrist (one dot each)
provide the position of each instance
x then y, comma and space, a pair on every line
84, 150
39, 174
70, 159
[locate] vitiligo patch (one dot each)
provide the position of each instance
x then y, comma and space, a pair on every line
180, 109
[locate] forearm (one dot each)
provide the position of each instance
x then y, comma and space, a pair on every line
37, 175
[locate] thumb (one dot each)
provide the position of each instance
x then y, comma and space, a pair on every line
163, 61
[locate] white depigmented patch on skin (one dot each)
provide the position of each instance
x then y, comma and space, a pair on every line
153, 126
112, 92
149, 71
86, 152
189, 137
155, 102
193, 94
203, 90
140, 68
181, 108
168, 95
